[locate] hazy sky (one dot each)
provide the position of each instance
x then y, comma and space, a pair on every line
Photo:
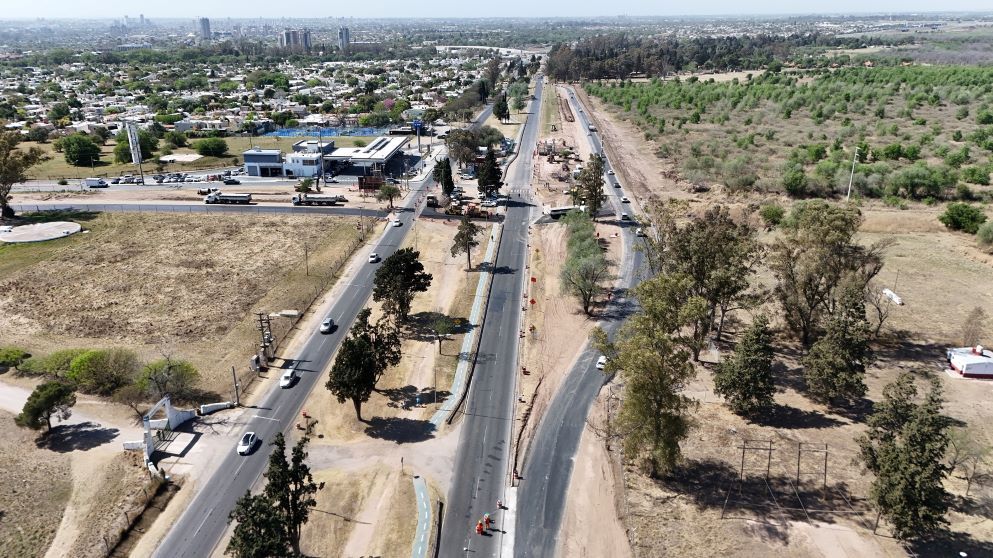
457, 8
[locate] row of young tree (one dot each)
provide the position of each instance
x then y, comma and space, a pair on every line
701, 271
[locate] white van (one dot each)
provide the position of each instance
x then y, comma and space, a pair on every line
95, 183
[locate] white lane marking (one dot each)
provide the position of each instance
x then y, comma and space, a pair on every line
266, 418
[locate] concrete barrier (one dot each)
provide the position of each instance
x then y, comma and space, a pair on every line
134, 445
214, 407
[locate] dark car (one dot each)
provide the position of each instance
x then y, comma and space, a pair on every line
231, 182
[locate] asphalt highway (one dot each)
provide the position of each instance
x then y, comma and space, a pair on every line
205, 519
482, 459
541, 495
166, 207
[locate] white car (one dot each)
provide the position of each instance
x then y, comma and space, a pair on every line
373, 257
489, 203
327, 325
247, 443
625, 217
639, 232
624, 199
397, 223
288, 378
610, 172
601, 362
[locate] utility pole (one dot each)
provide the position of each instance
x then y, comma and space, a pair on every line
851, 177
306, 258
234, 377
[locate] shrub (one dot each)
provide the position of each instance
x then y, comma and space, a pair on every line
101, 372
772, 214
976, 175
212, 147
795, 182
63, 182
985, 234
55, 364
960, 216
80, 150
964, 193
12, 357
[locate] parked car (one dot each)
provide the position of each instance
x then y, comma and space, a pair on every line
231, 182
373, 257
489, 203
288, 378
115, 181
327, 325
247, 443
601, 362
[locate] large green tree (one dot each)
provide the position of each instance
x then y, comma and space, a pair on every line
259, 531
291, 488
591, 185
50, 399
442, 174
489, 174
212, 147
834, 369
147, 141
80, 150
14, 163
397, 280
816, 251
388, 192
745, 381
905, 448
465, 240
363, 356
500, 108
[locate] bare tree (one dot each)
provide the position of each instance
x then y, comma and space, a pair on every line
879, 308
974, 327
970, 454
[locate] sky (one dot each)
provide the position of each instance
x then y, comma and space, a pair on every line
459, 8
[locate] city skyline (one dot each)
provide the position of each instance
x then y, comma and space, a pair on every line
178, 9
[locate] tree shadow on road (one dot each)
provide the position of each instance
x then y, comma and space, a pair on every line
400, 430
72, 437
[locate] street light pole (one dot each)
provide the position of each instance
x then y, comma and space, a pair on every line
851, 177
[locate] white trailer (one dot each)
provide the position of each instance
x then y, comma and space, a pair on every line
220, 197
971, 362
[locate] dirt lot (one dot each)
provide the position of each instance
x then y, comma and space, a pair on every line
151, 282
941, 277
27, 472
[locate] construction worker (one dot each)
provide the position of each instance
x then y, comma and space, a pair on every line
486, 521
499, 504
479, 527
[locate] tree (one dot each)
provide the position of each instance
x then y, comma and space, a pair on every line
212, 147
14, 163
591, 185
963, 217
834, 369
816, 251
585, 277
168, 376
654, 415
442, 326
80, 150
518, 103
147, 141
50, 399
58, 112
442, 174
304, 185
905, 448
259, 532
387, 192
462, 145
103, 371
176, 138
465, 240
500, 108
363, 356
489, 174
397, 279
492, 72
746, 381
291, 488
974, 327
969, 453
12, 357
38, 134
482, 90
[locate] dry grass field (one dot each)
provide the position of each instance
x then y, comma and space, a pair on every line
35, 484
182, 284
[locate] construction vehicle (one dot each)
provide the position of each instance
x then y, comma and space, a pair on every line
318, 199
221, 197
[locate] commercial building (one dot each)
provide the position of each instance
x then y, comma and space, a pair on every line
310, 158
343, 38
295, 38
263, 162
203, 25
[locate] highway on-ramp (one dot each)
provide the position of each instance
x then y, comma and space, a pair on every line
205, 519
481, 462
541, 495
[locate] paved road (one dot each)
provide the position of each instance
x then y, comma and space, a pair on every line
204, 521
167, 207
541, 494
482, 459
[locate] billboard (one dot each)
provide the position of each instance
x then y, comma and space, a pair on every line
135, 145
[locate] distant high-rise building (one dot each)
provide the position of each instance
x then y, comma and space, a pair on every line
141, 20
343, 38
204, 26
295, 38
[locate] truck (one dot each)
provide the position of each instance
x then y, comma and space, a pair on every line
318, 199
95, 183
221, 197
432, 201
